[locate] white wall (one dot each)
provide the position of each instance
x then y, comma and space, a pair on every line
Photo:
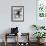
29, 15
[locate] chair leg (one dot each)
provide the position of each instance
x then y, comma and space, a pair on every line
5, 43
5, 40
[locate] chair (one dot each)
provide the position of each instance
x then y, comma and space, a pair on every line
7, 35
14, 32
26, 41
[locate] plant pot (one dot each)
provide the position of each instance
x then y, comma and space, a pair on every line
40, 41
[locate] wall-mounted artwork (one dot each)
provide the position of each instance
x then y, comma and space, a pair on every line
17, 13
41, 8
41, 12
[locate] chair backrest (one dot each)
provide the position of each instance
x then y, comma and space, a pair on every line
24, 37
14, 30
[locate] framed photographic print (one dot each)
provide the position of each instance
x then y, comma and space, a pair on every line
41, 8
17, 13
41, 12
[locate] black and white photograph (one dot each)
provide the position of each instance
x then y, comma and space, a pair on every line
17, 13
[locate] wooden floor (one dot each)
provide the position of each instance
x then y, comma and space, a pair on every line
13, 44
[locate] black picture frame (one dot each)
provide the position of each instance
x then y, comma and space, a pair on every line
18, 12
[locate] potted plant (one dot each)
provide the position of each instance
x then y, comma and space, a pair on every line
39, 35
38, 27
35, 26
42, 27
